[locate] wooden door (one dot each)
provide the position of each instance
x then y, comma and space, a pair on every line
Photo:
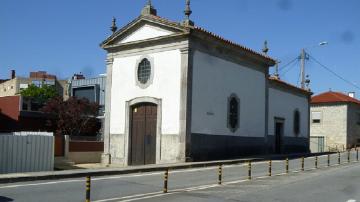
143, 134
279, 128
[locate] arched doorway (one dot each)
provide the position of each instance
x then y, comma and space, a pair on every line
143, 124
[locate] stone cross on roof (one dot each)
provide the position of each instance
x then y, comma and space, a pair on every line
149, 9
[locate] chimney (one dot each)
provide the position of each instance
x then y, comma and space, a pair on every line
13, 75
351, 94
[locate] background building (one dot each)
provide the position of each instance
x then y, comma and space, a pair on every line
335, 121
92, 89
14, 85
19, 114
14, 118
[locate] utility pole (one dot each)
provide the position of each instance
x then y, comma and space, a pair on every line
302, 68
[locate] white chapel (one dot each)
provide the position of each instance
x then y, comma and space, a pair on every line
176, 92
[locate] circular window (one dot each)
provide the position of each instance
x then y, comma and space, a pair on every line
144, 71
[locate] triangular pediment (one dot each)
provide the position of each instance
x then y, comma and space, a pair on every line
144, 32
143, 28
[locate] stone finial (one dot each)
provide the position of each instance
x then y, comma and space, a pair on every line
187, 12
265, 48
276, 75
149, 9
113, 27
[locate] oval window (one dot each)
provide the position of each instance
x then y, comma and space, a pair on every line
144, 71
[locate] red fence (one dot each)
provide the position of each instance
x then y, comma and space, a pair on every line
59, 145
86, 146
77, 145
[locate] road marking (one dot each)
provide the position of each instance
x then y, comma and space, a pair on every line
37, 184
131, 196
156, 194
235, 182
125, 176
146, 197
351, 200
262, 177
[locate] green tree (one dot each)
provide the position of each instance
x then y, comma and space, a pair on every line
39, 95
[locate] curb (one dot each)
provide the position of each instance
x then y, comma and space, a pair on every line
120, 171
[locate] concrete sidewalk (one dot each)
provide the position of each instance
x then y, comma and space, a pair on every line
113, 170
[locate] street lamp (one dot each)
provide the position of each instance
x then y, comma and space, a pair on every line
302, 68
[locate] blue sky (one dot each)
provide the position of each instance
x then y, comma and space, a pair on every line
63, 37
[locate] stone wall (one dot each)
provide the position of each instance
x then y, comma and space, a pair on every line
333, 124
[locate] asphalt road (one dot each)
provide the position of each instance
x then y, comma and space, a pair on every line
336, 183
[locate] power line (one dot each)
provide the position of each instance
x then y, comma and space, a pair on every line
334, 73
283, 67
294, 65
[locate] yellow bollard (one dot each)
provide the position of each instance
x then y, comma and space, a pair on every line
249, 170
287, 165
328, 160
339, 158
302, 163
166, 178
88, 185
316, 162
270, 162
220, 175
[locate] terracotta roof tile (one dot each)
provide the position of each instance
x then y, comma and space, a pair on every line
333, 97
233, 43
212, 34
291, 86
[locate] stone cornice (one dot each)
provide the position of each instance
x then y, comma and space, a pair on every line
147, 43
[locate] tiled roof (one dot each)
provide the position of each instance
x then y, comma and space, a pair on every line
288, 85
333, 97
179, 25
233, 43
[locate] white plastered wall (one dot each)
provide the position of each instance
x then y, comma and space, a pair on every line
283, 104
214, 80
146, 32
165, 86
